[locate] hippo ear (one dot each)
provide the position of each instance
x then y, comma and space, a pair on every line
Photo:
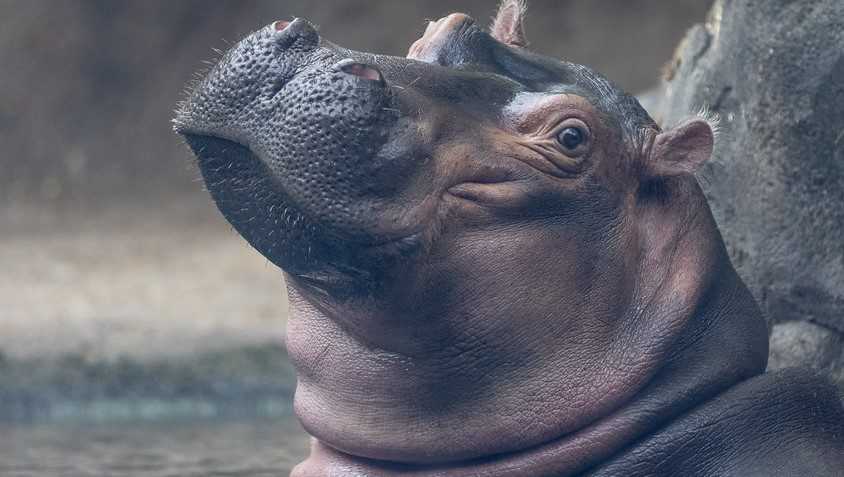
508, 26
681, 150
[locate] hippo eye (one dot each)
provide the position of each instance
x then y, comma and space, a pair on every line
573, 137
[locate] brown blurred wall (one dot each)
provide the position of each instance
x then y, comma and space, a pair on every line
87, 87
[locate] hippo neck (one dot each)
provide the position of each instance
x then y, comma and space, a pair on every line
713, 341
724, 345
722, 338
722, 341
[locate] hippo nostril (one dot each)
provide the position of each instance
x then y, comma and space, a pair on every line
297, 32
280, 25
362, 71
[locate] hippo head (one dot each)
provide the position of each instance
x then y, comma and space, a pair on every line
486, 250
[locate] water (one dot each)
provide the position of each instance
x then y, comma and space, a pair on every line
269, 447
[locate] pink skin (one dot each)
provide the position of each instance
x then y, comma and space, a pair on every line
527, 346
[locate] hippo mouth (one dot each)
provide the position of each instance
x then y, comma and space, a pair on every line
252, 199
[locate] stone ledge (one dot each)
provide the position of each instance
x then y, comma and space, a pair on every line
805, 344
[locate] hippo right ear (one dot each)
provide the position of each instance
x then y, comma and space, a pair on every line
680, 150
509, 24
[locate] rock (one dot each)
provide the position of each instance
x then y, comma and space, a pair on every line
798, 343
773, 70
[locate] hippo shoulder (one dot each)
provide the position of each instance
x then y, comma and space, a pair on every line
788, 422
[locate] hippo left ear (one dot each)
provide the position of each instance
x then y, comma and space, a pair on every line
680, 150
508, 26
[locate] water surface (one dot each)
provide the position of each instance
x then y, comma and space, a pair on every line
269, 447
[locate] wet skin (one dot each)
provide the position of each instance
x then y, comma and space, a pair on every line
497, 263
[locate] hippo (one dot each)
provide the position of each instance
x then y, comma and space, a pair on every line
498, 264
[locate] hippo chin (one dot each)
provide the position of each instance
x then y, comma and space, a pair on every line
497, 263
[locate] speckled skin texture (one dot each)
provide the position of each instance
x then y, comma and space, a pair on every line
472, 295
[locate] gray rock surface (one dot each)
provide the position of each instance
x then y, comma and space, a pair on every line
773, 70
800, 343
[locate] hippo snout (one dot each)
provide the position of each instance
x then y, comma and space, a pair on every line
295, 104
300, 124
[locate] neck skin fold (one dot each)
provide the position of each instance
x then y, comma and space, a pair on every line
720, 340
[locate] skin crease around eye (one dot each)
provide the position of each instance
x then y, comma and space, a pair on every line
540, 123
537, 114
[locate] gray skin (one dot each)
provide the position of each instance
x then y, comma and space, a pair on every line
470, 293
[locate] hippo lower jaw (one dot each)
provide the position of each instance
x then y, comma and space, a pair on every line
235, 176
254, 201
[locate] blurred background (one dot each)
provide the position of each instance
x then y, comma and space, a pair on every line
123, 295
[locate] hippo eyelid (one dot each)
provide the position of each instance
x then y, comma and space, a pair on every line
540, 115
573, 122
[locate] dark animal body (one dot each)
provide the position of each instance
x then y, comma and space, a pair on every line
497, 263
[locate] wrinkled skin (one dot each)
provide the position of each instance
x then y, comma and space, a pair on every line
470, 295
